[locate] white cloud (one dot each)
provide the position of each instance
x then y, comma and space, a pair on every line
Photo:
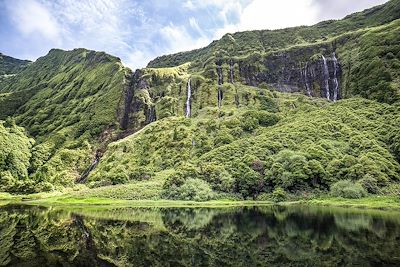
261, 14
97, 24
328, 9
31, 17
206, 3
178, 39
266, 14
138, 31
193, 23
137, 58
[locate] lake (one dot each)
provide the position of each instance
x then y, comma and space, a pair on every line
230, 236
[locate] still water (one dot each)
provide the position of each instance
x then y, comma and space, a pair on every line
245, 236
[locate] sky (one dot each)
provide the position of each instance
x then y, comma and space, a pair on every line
140, 30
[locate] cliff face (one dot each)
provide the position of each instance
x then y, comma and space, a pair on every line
292, 60
138, 110
287, 72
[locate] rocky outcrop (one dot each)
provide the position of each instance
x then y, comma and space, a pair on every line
316, 75
138, 111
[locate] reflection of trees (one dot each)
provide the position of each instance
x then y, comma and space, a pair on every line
245, 236
41, 237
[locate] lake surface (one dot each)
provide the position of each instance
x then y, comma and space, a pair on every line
245, 236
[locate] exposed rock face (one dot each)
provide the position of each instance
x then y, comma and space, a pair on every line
291, 72
128, 95
137, 111
220, 82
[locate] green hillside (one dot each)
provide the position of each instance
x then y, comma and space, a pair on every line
69, 101
266, 115
10, 66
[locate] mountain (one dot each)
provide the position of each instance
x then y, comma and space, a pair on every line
9, 66
296, 111
292, 59
275, 40
70, 102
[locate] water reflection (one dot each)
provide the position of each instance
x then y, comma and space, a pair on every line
247, 236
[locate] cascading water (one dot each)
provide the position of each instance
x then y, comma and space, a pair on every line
189, 95
220, 82
306, 81
93, 165
335, 80
231, 71
219, 97
326, 78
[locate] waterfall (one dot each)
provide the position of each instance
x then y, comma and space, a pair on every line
306, 81
189, 95
220, 75
231, 71
326, 78
151, 114
335, 80
220, 82
93, 165
219, 97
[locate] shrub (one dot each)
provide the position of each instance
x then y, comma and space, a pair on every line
118, 177
392, 190
278, 195
264, 197
370, 184
287, 169
192, 189
347, 189
44, 187
217, 177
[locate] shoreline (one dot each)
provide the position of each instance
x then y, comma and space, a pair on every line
375, 202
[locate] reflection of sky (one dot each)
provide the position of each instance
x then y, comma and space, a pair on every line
138, 31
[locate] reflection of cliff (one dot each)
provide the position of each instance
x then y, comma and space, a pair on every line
40, 237
247, 236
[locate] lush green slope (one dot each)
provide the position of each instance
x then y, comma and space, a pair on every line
10, 65
15, 154
70, 101
79, 90
305, 147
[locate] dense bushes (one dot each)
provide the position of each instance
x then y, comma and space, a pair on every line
191, 189
307, 150
347, 189
15, 154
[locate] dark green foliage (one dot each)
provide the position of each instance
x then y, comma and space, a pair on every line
278, 195
370, 184
288, 169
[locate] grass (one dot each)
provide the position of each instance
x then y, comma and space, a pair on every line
376, 202
133, 191
68, 201
97, 199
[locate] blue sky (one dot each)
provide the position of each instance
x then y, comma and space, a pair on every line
139, 30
